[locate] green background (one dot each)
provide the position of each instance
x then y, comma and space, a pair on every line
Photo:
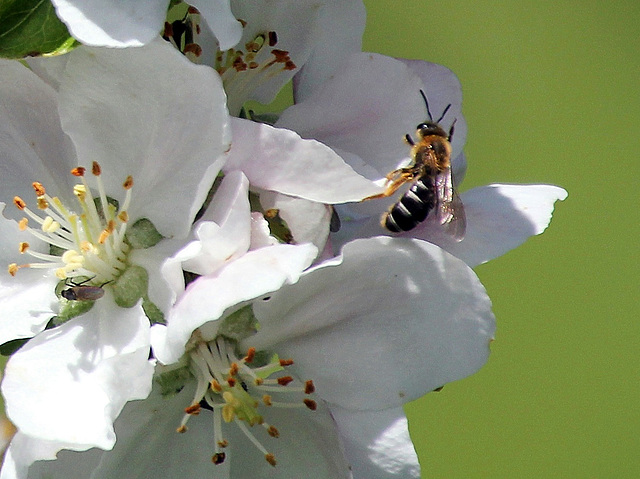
550, 96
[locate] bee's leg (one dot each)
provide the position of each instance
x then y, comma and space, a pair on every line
395, 180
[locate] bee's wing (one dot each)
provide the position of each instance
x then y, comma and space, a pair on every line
449, 208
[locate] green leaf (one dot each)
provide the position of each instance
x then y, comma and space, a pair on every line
31, 28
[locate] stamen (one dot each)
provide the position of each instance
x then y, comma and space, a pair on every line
243, 72
39, 189
236, 393
92, 242
284, 380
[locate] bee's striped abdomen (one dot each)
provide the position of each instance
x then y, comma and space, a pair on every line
413, 207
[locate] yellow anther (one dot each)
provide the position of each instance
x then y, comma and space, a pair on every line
43, 204
23, 224
88, 247
228, 413
103, 236
23, 247
80, 191
72, 256
49, 225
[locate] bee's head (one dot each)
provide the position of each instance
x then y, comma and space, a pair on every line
430, 128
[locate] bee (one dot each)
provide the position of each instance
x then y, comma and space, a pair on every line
82, 292
432, 188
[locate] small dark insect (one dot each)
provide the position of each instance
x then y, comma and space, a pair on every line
432, 187
81, 292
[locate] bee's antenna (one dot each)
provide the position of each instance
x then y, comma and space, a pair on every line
444, 113
424, 97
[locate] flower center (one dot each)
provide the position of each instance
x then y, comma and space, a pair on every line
237, 393
90, 245
242, 71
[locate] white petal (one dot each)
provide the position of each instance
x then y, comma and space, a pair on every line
127, 23
68, 384
225, 230
33, 146
206, 299
223, 24
377, 443
279, 160
166, 279
27, 304
28, 299
150, 113
298, 37
309, 441
401, 317
499, 218
150, 447
260, 232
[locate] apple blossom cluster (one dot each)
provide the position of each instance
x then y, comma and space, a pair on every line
194, 290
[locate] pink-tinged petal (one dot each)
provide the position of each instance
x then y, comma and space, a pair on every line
400, 317
499, 219
33, 146
68, 384
341, 26
377, 443
173, 148
366, 109
256, 273
127, 23
442, 88
279, 160
221, 21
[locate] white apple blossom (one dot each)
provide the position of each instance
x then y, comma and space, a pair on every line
365, 109
387, 321
272, 47
151, 129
